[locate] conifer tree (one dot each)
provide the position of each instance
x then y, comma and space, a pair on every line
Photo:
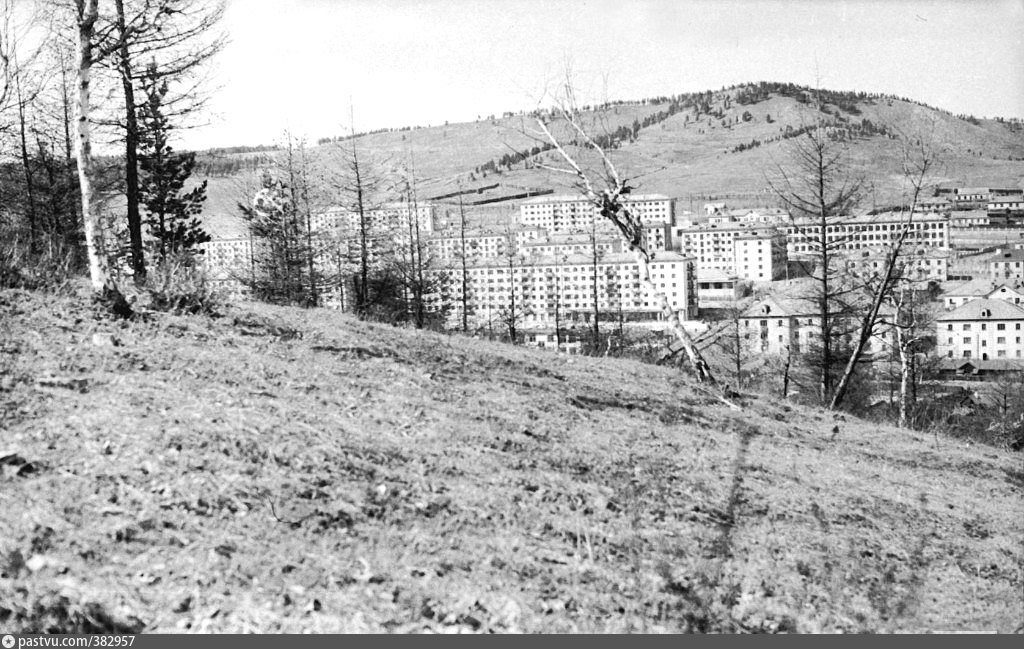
172, 212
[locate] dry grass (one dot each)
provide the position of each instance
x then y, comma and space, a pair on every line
285, 470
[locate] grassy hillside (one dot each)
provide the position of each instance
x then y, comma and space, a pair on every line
285, 470
686, 153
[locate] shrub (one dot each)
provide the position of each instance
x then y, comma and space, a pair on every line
177, 285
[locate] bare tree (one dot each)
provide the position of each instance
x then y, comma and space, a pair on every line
608, 191
820, 190
918, 163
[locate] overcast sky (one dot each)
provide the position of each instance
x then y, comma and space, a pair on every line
298, 64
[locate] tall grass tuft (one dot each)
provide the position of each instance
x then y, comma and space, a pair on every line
176, 284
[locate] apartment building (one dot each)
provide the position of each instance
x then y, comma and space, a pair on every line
538, 291
752, 253
448, 245
783, 324
555, 245
227, 262
919, 265
393, 216
983, 329
867, 231
569, 212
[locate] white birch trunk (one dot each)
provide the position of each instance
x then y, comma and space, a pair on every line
903, 347
87, 14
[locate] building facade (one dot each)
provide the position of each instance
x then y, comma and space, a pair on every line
982, 329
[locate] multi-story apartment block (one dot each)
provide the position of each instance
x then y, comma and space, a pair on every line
761, 256
918, 265
568, 213
227, 262
446, 246
1006, 264
983, 329
394, 216
752, 253
867, 231
538, 291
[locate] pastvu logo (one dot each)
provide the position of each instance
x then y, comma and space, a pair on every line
8, 641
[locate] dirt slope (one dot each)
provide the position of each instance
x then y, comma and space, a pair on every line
286, 470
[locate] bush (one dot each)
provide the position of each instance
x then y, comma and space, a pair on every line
177, 285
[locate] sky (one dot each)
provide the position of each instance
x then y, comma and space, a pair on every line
304, 65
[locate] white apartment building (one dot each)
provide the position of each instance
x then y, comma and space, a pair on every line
761, 256
542, 286
570, 212
387, 217
782, 324
747, 252
983, 329
867, 231
226, 261
447, 246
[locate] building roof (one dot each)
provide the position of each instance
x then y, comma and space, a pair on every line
1014, 254
1006, 199
975, 365
658, 257
972, 288
714, 275
872, 219
577, 198
972, 311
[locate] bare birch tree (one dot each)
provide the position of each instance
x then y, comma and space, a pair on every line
608, 191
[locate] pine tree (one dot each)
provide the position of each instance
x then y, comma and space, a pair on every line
172, 212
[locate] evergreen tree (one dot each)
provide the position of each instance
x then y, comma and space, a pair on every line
172, 212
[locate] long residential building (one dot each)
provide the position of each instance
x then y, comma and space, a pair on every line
867, 231
540, 291
572, 212
393, 216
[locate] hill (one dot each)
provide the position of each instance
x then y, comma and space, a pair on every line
294, 470
723, 143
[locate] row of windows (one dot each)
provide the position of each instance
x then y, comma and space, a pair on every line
1000, 326
1000, 340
